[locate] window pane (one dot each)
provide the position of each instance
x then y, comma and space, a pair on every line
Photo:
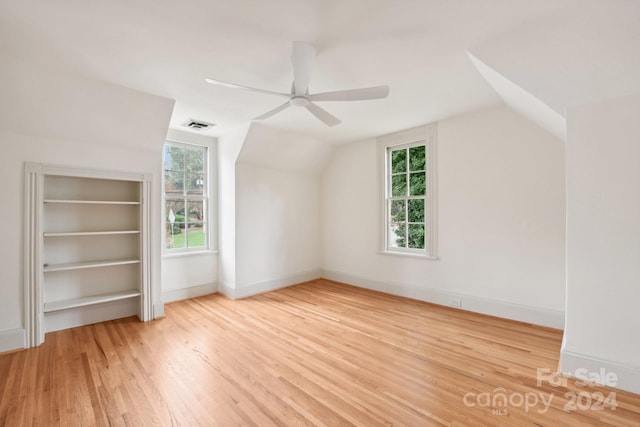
196, 237
399, 185
398, 161
196, 214
397, 232
195, 160
416, 210
175, 236
173, 158
195, 224
417, 158
416, 236
397, 212
417, 184
175, 223
175, 207
195, 183
173, 183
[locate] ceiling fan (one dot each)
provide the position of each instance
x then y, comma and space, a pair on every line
302, 60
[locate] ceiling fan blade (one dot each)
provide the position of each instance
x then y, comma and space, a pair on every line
322, 115
252, 89
363, 94
302, 56
272, 112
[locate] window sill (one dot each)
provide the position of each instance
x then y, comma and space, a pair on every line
408, 255
190, 253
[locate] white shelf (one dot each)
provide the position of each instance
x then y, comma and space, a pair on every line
92, 300
89, 264
89, 233
90, 202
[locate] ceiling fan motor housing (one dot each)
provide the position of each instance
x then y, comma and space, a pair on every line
299, 101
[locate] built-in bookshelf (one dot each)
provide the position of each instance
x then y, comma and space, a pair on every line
89, 255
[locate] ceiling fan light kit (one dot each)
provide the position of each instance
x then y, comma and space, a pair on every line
302, 57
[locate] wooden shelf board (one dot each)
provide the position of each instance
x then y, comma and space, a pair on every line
89, 233
92, 300
89, 264
90, 202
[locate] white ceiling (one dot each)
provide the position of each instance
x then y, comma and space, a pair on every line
417, 47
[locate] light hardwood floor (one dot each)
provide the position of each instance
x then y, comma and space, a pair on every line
319, 353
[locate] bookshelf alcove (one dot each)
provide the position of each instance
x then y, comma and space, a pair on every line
86, 248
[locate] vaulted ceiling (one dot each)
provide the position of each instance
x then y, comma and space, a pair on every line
561, 52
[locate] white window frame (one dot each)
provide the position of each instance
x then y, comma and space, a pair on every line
210, 195
423, 135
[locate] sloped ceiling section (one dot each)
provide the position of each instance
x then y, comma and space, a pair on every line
168, 48
522, 101
563, 52
578, 55
282, 150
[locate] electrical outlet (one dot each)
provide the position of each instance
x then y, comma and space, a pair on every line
455, 302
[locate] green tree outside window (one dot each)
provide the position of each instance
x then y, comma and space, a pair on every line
407, 192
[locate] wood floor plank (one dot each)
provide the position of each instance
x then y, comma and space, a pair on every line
319, 353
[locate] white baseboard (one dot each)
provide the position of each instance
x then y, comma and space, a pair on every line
227, 289
158, 310
519, 312
12, 339
189, 292
244, 291
581, 365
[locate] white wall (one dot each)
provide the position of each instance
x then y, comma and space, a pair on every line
229, 147
49, 117
603, 240
278, 228
501, 220
269, 209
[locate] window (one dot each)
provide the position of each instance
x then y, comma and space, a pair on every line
186, 182
409, 192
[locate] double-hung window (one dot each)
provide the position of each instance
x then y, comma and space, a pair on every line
186, 182
408, 170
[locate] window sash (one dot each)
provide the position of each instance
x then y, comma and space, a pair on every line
390, 224
406, 193
187, 197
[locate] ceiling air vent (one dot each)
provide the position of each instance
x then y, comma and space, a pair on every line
196, 124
